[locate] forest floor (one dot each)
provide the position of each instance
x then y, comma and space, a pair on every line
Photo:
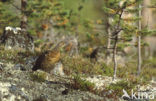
19, 83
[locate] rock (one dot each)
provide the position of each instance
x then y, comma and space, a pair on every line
15, 38
20, 67
101, 81
41, 98
10, 92
58, 69
29, 63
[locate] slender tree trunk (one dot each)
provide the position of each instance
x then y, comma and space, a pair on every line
114, 56
109, 40
24, 17
116, 33
108, 32
139, 45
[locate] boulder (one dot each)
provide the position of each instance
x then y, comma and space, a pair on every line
16, 38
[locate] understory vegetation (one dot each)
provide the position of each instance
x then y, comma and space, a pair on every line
100, 37
81, 66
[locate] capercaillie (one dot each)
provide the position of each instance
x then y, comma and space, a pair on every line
47, 60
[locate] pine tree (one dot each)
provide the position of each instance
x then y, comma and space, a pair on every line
7, 15
122, 29
33, 14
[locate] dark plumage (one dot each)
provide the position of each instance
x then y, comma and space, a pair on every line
94, 53
65, 92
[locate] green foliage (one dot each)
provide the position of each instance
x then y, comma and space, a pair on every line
8, 55
150, 62
129, 71
38, 12
82, 84
8, 16
41, 11
147, 32
13, 55
79, 17
82, 65
148, 69
108, 70
119, 86
67, 16
38, 42
128, 25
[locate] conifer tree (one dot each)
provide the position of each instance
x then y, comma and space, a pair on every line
32, 14
122, 29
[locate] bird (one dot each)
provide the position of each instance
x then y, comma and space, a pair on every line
47, 60
65, 92
94, 53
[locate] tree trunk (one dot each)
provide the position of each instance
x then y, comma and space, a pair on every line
139, 45
114, 56
109, 40
109, 34
24, 17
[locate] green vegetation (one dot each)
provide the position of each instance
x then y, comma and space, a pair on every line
38, 76
83, 85
119, 86
8, 55
83, 65
13, 55
88, 21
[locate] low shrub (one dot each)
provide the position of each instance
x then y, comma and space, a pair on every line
119, 86
82, 84
81, 65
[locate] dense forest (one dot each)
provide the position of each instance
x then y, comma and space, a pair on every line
77, 50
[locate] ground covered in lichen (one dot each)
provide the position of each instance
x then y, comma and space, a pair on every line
93, 81
18, 85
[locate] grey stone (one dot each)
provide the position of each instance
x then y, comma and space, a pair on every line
15, 38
